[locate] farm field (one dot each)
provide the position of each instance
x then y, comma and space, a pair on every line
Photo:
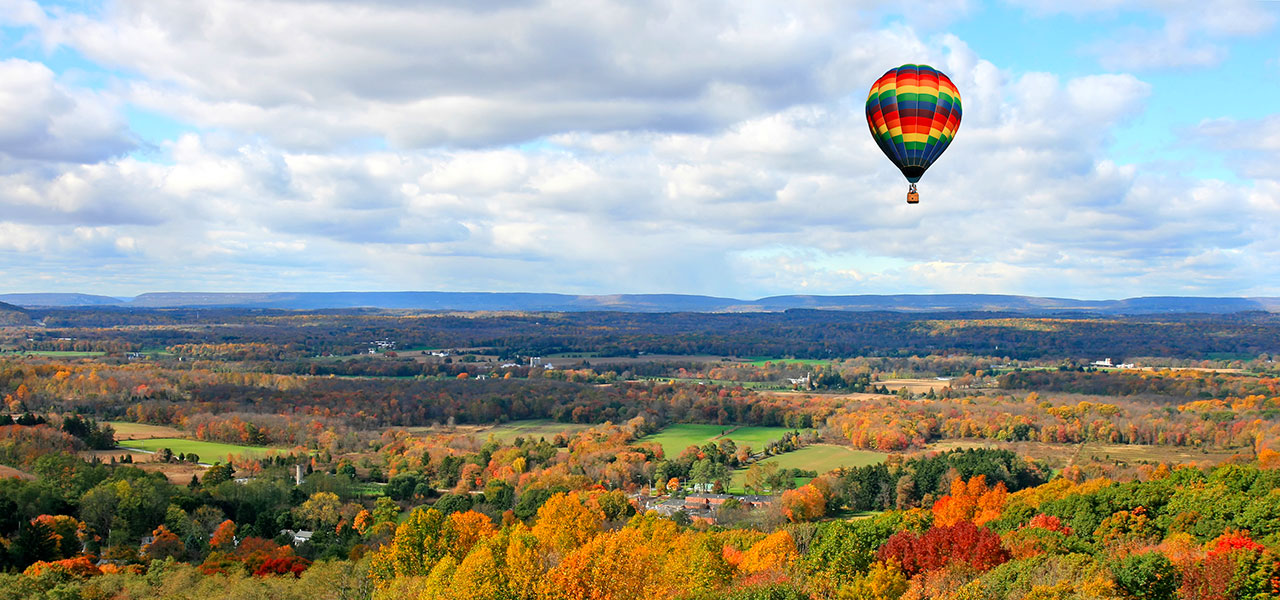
915, 386
651, 358
506, 432
178, 473
207, 451
676, 438
536, 428
7, 472
1063, 455
58, 353
750, 385
818, 457
760, 362
139, 431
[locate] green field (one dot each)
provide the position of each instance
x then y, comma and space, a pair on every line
759, 362
59, 353
818, 457
676, 438
139, 431
208, 452
508, 432
531, 429
749, 385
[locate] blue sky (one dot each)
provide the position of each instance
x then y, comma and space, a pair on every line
1109, 149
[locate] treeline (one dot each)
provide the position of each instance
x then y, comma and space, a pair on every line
1171, 383
898, 424
797, 333
1183, 534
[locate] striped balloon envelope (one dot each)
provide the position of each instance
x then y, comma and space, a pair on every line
913, 112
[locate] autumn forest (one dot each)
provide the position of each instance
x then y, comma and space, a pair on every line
805, 454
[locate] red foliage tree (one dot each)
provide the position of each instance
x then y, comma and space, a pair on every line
1050, 523
1234, 540
940, 546
288, 565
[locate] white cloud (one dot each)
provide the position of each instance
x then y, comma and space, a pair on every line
322, 74
45, 121
1252, 146
1192, 34
680, 147
1020, 203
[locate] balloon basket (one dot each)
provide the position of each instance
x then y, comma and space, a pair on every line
913, 197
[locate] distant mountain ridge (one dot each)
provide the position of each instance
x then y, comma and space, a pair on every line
549, 302
13, 315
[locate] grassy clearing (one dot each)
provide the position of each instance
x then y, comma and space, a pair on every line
1062, 455
749, 385
534, 428
676, 438
7, 472
916, 386
138, 431
207, 451
826, 457
60, 353
759, 362
818, 457
507, 432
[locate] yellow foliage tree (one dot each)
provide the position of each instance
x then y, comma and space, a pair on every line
481, 575
439, 582
616, 565
773, 553
321, 509
420, 542
696, 564
884, 581
525, 562
565, 522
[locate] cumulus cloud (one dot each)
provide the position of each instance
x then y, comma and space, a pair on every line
798, 199
1192, 33
1252, 145
46, 121
678, 147
473, 74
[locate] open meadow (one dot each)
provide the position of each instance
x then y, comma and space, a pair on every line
530, 429
1063, 455
916, 386
7, 472
139, 431
208, 452
818, 457
675, 438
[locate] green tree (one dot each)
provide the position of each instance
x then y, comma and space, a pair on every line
217, 474
35, 541
1147, 576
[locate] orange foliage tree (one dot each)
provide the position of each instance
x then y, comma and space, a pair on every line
806, 503
164, 545
971, 501
467, 529
224, 536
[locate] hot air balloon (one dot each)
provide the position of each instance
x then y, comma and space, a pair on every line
913, 112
